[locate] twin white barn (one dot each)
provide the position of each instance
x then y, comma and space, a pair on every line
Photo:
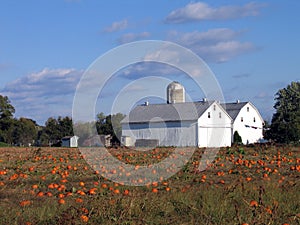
180, 123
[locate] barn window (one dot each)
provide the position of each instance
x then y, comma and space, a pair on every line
208, 115
214, 107
254, 119
220, 115
247, 109
242, 119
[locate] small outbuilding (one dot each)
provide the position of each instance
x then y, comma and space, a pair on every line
70, 141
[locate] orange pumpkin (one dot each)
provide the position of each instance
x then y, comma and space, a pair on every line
253, 203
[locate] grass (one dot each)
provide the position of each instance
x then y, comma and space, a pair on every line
2, 144
33, 180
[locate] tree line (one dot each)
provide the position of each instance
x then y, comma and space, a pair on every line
284, 127
25, 131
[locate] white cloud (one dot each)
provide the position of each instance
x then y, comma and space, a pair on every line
129, 37
163, 54
224, 51
117, 26
207, 37
135, 88
200, 11
178, 57
145, 69
215, 45
43, 94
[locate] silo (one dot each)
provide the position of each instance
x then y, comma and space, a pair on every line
175, 93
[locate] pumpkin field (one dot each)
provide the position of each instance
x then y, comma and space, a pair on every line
243, 185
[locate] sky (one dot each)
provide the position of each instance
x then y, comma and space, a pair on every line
251, 47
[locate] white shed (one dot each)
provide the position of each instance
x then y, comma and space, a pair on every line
202, 124
127, 141
247, 121
70, 141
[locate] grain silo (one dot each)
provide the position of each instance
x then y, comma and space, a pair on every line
175, 93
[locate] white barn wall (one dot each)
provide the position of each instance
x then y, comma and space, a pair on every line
74, 142
204, 132
249, 134
214, 131
168, 133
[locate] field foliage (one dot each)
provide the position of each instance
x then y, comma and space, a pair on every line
243, 185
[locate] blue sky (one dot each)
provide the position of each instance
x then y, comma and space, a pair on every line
45, 46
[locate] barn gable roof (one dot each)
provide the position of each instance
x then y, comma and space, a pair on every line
233, 109
167, 112
68, 137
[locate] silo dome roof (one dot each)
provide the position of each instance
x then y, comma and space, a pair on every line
175, 85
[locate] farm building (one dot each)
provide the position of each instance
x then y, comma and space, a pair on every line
179, 123
70, 141
247, 121
203, 124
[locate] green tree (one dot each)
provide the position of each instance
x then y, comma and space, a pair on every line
6, 108
43, 137
102, 124
110, 124
65, 126
285, 127
266, 130
52, 131
237, 139
24, 132
117, 127
55, 130
6, 119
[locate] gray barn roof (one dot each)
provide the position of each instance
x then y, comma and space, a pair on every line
167, 112
233, 109
177, 112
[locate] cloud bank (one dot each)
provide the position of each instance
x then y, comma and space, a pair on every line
46, 93
215, 45
200, 11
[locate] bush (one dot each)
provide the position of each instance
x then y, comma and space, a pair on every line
2, 144
237, 139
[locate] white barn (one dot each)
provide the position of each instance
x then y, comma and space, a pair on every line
180, 123
202, 124
247, 121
